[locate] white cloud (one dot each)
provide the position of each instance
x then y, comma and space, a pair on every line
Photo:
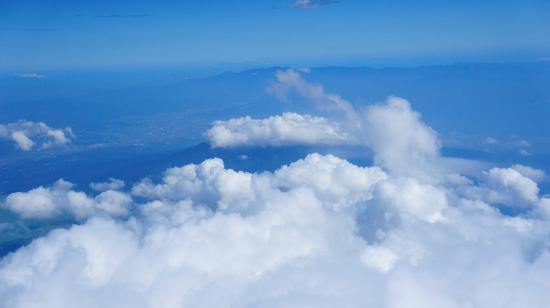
311, 4
401, 141
208, 184
290, 79
410, 198
506, 187
544, 207
30, 75
507, 143
319, 232
22, 141
60, 199
113, 203
286, 129
510, 187
380, 258
491, 140
532, 173
112, 184
27, 135
334, 180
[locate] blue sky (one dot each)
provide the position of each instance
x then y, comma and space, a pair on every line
98, 34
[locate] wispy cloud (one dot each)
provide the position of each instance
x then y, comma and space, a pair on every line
107, 16
139, 15
311, 4
28, 29
30, 75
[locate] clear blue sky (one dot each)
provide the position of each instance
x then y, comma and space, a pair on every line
40, 34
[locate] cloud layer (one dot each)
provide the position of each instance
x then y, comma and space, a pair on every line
409, 231
28, 135
315, 233
319, 232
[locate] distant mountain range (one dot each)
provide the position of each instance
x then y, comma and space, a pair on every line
127, 116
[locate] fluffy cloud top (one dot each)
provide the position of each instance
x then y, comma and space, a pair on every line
400, 140
507, 187
316, 233
27, 135
286, 129
59, 199
532, 173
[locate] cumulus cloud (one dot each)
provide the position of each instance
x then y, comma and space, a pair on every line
400, 140
318, 232
60, 199
291, 128
27, 135
22, 141
536, 175
285, 129
509, 187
